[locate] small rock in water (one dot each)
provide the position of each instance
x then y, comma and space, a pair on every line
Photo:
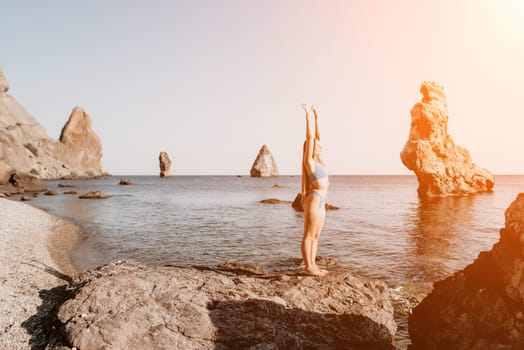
95, 195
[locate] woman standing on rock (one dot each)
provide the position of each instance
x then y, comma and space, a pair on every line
315, 184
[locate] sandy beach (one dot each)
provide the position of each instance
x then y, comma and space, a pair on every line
34, 267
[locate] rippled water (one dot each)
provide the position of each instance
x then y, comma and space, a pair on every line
382, 229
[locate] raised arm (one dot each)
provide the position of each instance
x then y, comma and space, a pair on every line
317, 129
309, 164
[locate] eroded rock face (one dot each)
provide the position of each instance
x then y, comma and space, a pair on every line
25, 145
4, 85
264, 165
165, 164
83, 149
130, 306
482, 306
442, 168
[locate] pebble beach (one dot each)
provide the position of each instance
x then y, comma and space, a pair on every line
34, 266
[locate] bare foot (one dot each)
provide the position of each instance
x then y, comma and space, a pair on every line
322, 272
311, 271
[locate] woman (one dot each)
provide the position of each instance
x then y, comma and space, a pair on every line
315, 184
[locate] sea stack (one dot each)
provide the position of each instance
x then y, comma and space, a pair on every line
26, 147
482, 306
83, 149
442, 168
264, 165
165, 164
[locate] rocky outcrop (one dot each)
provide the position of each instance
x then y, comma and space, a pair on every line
130, 306
165, 164
12, 182
4, 85
442, 168
264, 165
25, 145
482, 306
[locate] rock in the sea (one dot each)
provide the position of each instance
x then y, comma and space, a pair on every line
25, 145
482, 306
264, 165
130, 306
165, 164
297, 204
50, 193
442, 168
70, 192
65, 185
274, 201
125, 182
95, 195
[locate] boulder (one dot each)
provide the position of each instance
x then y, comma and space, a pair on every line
165, 164
50, 193
125, 182
20, 182
125, 305
26, 147
442, 168
481, 306
264, 164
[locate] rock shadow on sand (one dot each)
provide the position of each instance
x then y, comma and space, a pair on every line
43, 324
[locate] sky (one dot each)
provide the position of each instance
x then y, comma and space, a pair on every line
210, 82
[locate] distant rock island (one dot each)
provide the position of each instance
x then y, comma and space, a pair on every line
26, 147
442, 168
165, 164
482, 306
264, 165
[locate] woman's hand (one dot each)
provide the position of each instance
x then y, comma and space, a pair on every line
314, 112
304, 107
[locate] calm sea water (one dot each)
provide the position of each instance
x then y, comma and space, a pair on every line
382, 229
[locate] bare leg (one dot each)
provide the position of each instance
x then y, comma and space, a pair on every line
322, 218
313, 221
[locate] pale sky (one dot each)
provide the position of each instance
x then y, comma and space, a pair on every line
210, 82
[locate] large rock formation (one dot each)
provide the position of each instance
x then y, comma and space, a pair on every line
4, 85
482, 306
234, 306
25, 145
165, 164
12, 182
442, 168
264, 165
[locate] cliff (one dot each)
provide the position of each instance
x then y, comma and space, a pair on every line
442, 168
26, 147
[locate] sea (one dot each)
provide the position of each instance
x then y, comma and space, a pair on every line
381, 230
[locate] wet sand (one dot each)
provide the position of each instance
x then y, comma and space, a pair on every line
34, 267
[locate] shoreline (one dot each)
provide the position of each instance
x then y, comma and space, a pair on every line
34, 264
